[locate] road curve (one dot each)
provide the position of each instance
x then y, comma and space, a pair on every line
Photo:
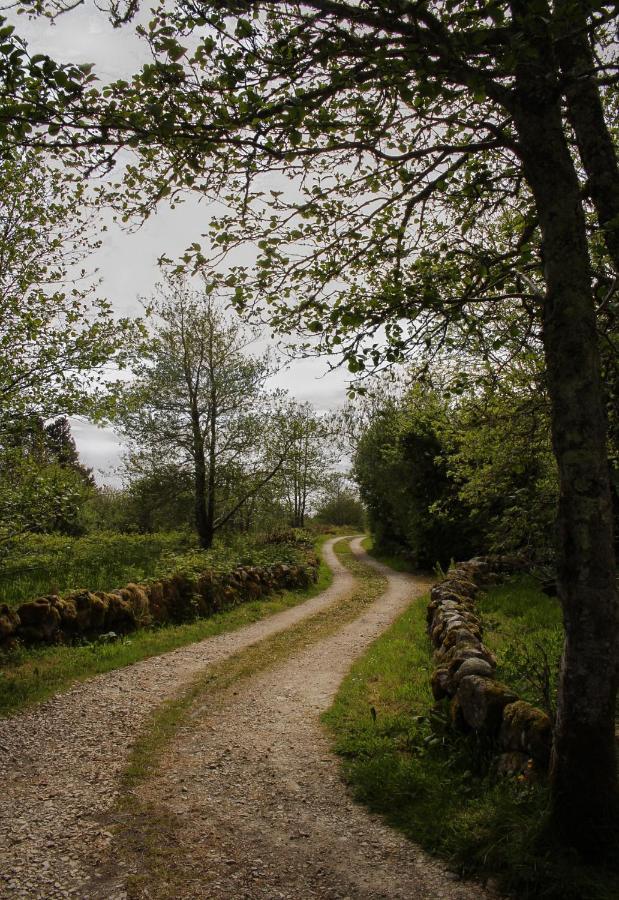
252, 799
60, 761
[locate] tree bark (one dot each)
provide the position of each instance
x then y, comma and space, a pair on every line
586, 115
212, 461
205, 533
204, 526
583, 769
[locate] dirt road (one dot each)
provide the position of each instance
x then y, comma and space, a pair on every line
250, 800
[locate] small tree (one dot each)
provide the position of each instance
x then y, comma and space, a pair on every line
310, 456
41, 488
401, 467
199, 402
340, 503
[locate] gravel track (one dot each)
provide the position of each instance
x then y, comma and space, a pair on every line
251, 800
60, 762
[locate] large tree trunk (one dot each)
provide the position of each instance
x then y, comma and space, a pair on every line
586, 115
210, 505
583, 770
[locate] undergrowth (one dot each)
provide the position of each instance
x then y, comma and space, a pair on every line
402, 760
523, 627
397, 563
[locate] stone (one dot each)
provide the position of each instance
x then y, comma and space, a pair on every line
483, 701
68, 614
440, 682
472, 666
456, 716
9, 622
461, 635
448, 651
39, 621
478, 652
463, 586
156, 602
119, 616
527, 729
137, 599
91, 611
511, 764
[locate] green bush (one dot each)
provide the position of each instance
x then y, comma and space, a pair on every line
401, 467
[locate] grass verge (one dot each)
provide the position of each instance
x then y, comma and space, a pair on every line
402, 761
53, 563
28, 676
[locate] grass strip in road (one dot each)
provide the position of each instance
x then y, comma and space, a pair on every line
30, 675
168, 718
146, 835
402, 760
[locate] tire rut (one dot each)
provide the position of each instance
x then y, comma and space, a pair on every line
249, 802
60, 762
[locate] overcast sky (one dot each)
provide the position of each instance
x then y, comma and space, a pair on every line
127, 263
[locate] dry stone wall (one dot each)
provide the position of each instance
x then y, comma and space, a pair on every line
464, 673
180, 598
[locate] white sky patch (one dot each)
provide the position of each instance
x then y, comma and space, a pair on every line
127, 262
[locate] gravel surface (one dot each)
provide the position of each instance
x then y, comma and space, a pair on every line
60, 762
251, 801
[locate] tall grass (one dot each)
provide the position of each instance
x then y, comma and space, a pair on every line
51, 563
524, 629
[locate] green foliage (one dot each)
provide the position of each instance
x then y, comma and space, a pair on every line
196, 412
50, 563
160, 500
448, 476
56, 335
346, 509
242, 550
401, 466
43, 487
402, 761
340, 504
309, 457
500, 456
